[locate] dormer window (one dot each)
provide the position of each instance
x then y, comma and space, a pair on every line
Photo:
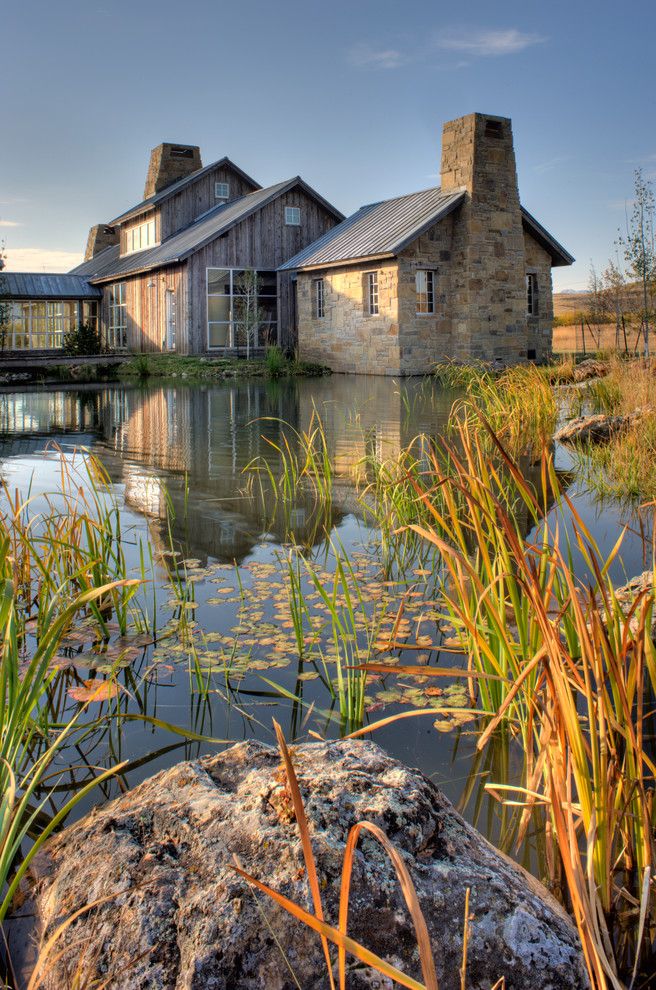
292, 216
141, 236
221, 192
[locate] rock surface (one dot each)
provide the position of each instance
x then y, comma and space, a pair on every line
594, 429
642, 585
179, 918
589, 368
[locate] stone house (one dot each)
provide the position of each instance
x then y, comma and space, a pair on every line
458, 272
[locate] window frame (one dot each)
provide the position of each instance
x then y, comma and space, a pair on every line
318, 298
263, 331
149, 227
221, 197
291, 213
117, 317
372, 307
428, 292
532, 294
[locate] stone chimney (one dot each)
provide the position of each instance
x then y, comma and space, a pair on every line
100, 237
489, 277
168, 163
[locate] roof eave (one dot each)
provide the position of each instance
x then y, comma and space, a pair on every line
560, 257
342, 262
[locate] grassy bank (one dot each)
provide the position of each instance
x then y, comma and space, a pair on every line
206, 369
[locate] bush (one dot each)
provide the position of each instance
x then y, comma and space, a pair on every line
85, 339
275, 361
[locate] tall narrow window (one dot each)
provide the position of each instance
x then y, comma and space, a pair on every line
319, 308
371, 305
221, 192
425, 290
117, 326
293, 216
531, 294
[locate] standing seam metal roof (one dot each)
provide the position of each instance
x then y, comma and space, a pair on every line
36, 285
377, 229
203, 230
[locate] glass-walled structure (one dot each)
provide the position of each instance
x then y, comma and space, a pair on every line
42, 324
37, 311
242, 308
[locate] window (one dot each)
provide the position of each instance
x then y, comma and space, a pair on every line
319, 308
425, 289
42, 324
242, 308
371, 305
141, 237
493, 128
531, 294
117, 325
222, 191
293, 216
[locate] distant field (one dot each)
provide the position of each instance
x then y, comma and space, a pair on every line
567, 339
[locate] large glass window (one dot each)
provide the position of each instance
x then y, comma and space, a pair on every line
36, 324
242, 308
143, 236
117, 325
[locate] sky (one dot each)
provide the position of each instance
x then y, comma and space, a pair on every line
350, 95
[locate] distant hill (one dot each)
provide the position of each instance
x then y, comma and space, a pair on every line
575, 301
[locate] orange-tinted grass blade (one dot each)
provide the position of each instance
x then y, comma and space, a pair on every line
409, 894
465, 943
528, 669
306, 844
383, 668
334, 935
44, 954
381, 723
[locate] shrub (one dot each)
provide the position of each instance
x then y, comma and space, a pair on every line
85, 339
275, 361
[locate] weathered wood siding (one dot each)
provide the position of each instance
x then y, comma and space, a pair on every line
135, 221
198, 197
146, 308
261, 241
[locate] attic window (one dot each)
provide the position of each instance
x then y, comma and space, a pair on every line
222, 191
182, 152
293, 216
493, 129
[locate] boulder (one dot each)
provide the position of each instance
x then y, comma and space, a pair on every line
589, 368
642, 585
599, 428
178, 916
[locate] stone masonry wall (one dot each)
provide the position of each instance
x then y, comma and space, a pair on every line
540, 327
347, 338
426, 338
488, 297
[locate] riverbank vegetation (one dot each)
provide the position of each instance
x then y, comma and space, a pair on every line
484, 604
208, 369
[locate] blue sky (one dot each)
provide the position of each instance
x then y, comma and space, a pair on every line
351, 95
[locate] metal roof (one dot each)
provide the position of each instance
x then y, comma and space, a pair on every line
379, 229
147, 204
35, 285
559, 256
109, 264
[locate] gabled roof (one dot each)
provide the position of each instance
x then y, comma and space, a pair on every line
108, 264
175, 187
379, 230
559, 256
36, 285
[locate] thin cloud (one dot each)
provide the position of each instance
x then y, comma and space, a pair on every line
365, 56
487, 43
10, 223
552, 163
41, 260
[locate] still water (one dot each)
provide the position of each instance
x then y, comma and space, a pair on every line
189, 448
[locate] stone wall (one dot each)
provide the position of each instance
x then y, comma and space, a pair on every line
346, 337
488, 291
540, 327
426, 338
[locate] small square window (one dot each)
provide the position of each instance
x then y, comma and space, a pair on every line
371, 305
221, 191
425, 291
319, 307
292, 216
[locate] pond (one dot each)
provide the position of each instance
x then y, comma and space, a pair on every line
186, 450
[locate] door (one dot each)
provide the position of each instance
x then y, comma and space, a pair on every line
170, 320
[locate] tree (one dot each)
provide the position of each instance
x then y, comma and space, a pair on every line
5, 304
247, 312
639, 245
598, 305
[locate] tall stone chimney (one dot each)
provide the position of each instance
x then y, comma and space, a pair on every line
488, 271
100, 237
168, 163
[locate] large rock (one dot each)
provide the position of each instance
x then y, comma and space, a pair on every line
589, 368
599, 428
179, 917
